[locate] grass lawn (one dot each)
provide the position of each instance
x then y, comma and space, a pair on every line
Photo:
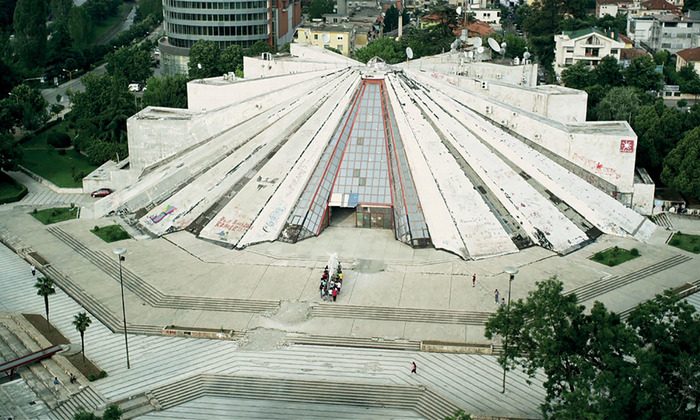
61, 169
615, 256
10, 190
111, 233
690, 243
55, 215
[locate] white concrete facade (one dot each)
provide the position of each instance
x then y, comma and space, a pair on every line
233, 167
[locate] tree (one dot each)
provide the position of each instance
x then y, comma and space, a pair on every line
459, 415
10, 152
599, 367
578, 76
204, 60
168, 91
82, 321
231, 59
32, 105
113, 412
642, 73
318, 8
388, 49
668, 354
258, 48
608, 72
130, 64
148, 8
681, 168
99, 114
44, 286
620, 104
81, 28
391, 18
30, 32
60, 10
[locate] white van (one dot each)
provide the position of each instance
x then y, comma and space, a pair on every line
134, 87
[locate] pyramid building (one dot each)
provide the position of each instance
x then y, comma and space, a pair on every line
467, 157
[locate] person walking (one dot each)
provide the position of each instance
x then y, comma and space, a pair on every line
33, 270
503, 301
55, 382
474, 280
335, 293
415, 368
495, 294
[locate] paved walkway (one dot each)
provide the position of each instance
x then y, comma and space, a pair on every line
469, 381
41, 196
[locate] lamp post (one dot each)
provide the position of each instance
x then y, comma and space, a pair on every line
70, 77
119, 252
511, 271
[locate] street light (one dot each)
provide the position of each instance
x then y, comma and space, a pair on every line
119, 252
70, 77
511, 271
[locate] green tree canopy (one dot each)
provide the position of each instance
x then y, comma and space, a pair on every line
81, 28
387, 49
258, 48
620, 104
231, 59
578, 76
168, 91
598, 367
608, 72
642, 73
10, 152
30, 32
391, 18
130, 64
99, 114
318, 8
681, 168
32, 105
204, 60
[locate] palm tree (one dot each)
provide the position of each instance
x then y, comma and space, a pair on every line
81, 322
45, 288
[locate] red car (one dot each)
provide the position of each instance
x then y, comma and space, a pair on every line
102, 192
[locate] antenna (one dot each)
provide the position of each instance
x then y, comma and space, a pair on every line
326, 38
480, 50
409, 53
478, 42
494, 45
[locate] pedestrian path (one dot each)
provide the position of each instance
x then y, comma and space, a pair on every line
40, 196
472, 382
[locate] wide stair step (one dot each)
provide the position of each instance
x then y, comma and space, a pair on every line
427, 403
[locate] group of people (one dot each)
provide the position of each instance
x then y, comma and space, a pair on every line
331, 284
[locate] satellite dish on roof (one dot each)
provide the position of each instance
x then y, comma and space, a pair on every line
503, 45
409, 53
480, 50
478, 42
494, 45
459, 10
455, 44
526, 55
470, 54
326, 38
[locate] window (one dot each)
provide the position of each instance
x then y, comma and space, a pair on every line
592, 40
316, 36
614, 51
592, 52
340, 37
569, 50
340, 47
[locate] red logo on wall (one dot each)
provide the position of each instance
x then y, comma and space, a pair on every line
627, 146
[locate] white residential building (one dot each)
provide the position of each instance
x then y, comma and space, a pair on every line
587, 45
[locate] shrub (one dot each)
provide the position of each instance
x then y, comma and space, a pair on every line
59, 140
61, 151
96, 229
35, 211
103, 374
682, 103
634, 252
91, 377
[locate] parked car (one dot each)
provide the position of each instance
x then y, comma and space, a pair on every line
102, 192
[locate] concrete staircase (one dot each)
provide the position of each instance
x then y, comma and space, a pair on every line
344, 341
63, 399
386, 313
87, 398
417, 398
135, 406
663, 220
592, 290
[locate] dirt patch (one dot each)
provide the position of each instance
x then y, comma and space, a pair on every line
54, 336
